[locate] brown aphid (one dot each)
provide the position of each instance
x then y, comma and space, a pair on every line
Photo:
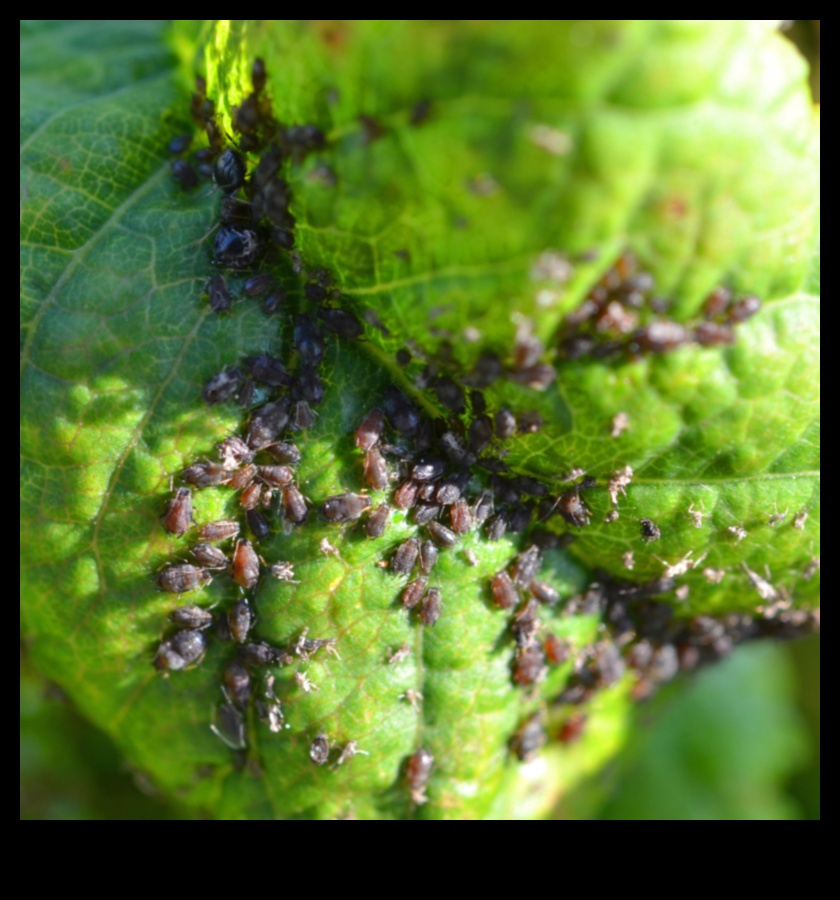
710, 334
209, 556
406, 494
237, 684
529, 737
428, 556
572, 728
661, 336
241, 478
573, 509
250, 497
206, 474
744, 308
431, 607
425, 512
178, 517
286, 454
413, 592
441, 535
717, 303
461, 517
526, 566
240, 619
529, 666
378, 521
370, 429
525, 624
191, 617
376, 470
545, 593
556, 650
246, 564
405, 556
220, 530
529, 422
234, 452
417, 773
182, 579
319, 750
504, 591
344, 507
294, 504
537, 377
267, 423
276, 476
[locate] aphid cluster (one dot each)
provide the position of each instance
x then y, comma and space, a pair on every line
623, 315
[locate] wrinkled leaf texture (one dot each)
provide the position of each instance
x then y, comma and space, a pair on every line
692, 143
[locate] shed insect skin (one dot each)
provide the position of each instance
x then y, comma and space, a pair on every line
402, 652
178, 518
573, 509
231, 727
233, 452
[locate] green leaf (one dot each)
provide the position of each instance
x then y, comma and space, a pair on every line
693, 144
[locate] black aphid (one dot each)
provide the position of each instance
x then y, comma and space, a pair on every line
482, 508
267, 423
236, 248
342, 323
274, 302
454, 450
529, 422
650, 531
183, 649
497, 525
451, 488
179, 144
450, 394
488, 368
378, 521
183, 578
405, 556
240, 620
245, 565
529, 737
258, 654
302, 417
529, 666
428, 556
178, 517
519, 518
310, 385
428, 469
404, 415
229, 171
344, 507
184, 173
220, 299
442, 535
237, 684
480, 433
319, 750
308, 340
209, 556
191, 617
426, 512
257, 524
222, 386
403, 358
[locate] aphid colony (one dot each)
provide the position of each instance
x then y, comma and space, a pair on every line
623, 315
446, 473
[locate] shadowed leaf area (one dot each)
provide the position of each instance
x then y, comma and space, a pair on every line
563, 221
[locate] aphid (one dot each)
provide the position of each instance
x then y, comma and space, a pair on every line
482, 508
250, 495
556, 651
240, 619
488, 368
529, 737
529, 666
710, 334
441, 535
306, 646
611, 516
413, 592
800, 519
284, 571
258, 524
452, 487
319, 750
303, 682
229, 727
209, 556
716, 304
229, 171
428, 469
738, 532
274, 302
545, 593
191, 617
426, 512
182, 650
504, 591
525, 624
505, 424
627, 560
287, 454
242, 477
315, 293
744, 308
294, 503
220, 530
308, 340
342, 323
403, 414
344, 507
182, 579
206, 474
184, 173
310, 385
765, 590
526, 566
497, 526
406, 494
236, 248
480, 433
529, 422
179, 144
370, 429
178, 517
233, 452
649, 530
246, 564
405, 556
220, 299
417, 772
267, 423
573, 509
375, 470
237, 684
450, 394
454, 450
537, 377
461, 517
222, 386
245, 397
572, 728
258, 654
267, 370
